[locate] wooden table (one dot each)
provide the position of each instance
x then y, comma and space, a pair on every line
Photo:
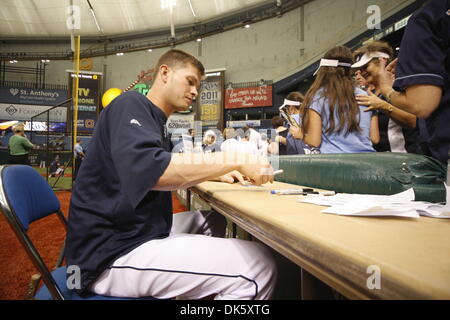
412, 255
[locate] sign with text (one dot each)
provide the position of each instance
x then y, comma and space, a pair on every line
211, 101
20, 95
22, 112
88, 99
180, 123
248, 97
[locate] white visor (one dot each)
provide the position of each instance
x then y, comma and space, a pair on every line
367, 57
331, 63
289, 103
210, 133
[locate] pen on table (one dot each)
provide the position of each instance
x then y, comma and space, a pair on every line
302, 191
292, 191
322, 193
278, 172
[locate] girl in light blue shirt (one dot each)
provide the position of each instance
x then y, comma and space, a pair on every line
332, 119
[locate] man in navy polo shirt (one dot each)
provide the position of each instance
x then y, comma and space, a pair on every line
422, 84
122, 233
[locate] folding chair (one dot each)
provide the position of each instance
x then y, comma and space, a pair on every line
25, 197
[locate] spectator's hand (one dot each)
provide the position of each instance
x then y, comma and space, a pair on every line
372, 101
296, 132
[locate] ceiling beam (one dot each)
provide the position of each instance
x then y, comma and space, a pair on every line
160, 38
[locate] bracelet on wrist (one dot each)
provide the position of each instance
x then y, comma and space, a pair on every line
389, 95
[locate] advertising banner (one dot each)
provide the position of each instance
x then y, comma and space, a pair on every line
211, 101
22, 112
88, 99
17, 95
248, 97
180, 123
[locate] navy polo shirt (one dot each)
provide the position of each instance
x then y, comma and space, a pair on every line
424, 59
113, 209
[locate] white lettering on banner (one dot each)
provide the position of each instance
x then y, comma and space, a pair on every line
26, 112
43, 94
402, 23
180, 122
31, 92
87, 108
210, 85
246, 97
84, 76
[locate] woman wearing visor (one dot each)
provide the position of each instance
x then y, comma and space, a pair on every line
290, 111
422, 82
332, 120
398, 129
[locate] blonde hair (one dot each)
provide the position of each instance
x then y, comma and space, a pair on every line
19, 128
229, 133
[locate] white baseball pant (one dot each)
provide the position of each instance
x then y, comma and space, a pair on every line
192, 266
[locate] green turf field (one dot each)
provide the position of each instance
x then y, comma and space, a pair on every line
63, 183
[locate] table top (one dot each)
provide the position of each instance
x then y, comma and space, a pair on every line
411, 255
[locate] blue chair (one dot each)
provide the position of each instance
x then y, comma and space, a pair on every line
26, 197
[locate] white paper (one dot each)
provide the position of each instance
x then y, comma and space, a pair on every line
371, 212
400, 205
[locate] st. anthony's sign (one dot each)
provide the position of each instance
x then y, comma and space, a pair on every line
18, 95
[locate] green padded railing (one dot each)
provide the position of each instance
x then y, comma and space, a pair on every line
382, 173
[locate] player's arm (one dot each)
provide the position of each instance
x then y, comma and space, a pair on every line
188, 169
420, 100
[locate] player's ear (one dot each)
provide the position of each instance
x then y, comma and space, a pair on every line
164, 72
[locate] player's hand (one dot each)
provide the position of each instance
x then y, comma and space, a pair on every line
385, 77
232, 177
257, 169
392, 67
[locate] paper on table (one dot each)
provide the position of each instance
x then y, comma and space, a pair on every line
372, 212
400, 205
360, 199
438, 210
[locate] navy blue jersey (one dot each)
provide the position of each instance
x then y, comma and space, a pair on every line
113, 209
424, 59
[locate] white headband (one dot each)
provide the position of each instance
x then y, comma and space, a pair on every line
331, 63
367, 57
289, 103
